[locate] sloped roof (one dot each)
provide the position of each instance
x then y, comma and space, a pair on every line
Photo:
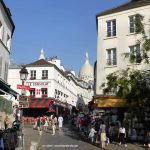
8, 13
14, 66
39, 63
125, 6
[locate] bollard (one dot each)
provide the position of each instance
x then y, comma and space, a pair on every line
33, 146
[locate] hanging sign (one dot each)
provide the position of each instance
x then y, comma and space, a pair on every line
25, 87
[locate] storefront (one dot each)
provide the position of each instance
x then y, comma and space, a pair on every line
36, 106
110, 108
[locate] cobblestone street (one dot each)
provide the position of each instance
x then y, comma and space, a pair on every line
67, 140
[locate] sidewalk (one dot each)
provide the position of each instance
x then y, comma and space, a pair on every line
31, 136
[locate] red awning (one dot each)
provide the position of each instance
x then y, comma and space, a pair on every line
40, 103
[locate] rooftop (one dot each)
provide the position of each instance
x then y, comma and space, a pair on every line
126, 6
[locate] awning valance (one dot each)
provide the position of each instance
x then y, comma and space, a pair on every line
109, 102
40, 103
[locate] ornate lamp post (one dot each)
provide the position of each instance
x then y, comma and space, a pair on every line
23, 76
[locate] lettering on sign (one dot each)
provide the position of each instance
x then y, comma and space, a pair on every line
23, 104
37, 83
23, 87
23, 98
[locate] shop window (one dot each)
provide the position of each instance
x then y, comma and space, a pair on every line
32, 92
44, 92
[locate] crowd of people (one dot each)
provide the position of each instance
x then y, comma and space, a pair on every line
45, 122
96, 130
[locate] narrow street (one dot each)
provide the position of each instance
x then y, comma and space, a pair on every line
67, 140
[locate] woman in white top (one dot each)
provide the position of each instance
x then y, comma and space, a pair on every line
60, 122
46, 124
92, 133
122, 135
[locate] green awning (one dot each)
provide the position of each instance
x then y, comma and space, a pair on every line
5, 87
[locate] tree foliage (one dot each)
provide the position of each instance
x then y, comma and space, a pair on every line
144, 41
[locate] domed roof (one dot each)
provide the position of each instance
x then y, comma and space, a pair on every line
86, 71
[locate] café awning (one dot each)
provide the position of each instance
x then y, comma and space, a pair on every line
109, 102
6, 88
40, 102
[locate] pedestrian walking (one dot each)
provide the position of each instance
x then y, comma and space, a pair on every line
122, 135
111, 133
39, 124
53, 123
92, 134
60, 122
103, 138
45, 124
102, 126
35, 123
147, 140
7, 123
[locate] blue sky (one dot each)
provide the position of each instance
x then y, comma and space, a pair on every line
63, 28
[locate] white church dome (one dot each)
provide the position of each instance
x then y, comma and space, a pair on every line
87, 71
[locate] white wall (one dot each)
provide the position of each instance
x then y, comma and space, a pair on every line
56, 80
121, 42
4, 48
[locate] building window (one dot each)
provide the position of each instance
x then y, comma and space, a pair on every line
8, 41
33, 74
135, 54
1, 31
6, 71
32, 92
44, 92
111, 57
111, 28
1, 60
132, 24
44, 74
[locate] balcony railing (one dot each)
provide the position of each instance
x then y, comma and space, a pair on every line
32, 78
44, 78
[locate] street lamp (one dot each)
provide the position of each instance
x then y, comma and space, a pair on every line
23, 73
23, 76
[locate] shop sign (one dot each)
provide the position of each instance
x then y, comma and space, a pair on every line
23, 104
37, 83
23, 98
25, 87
